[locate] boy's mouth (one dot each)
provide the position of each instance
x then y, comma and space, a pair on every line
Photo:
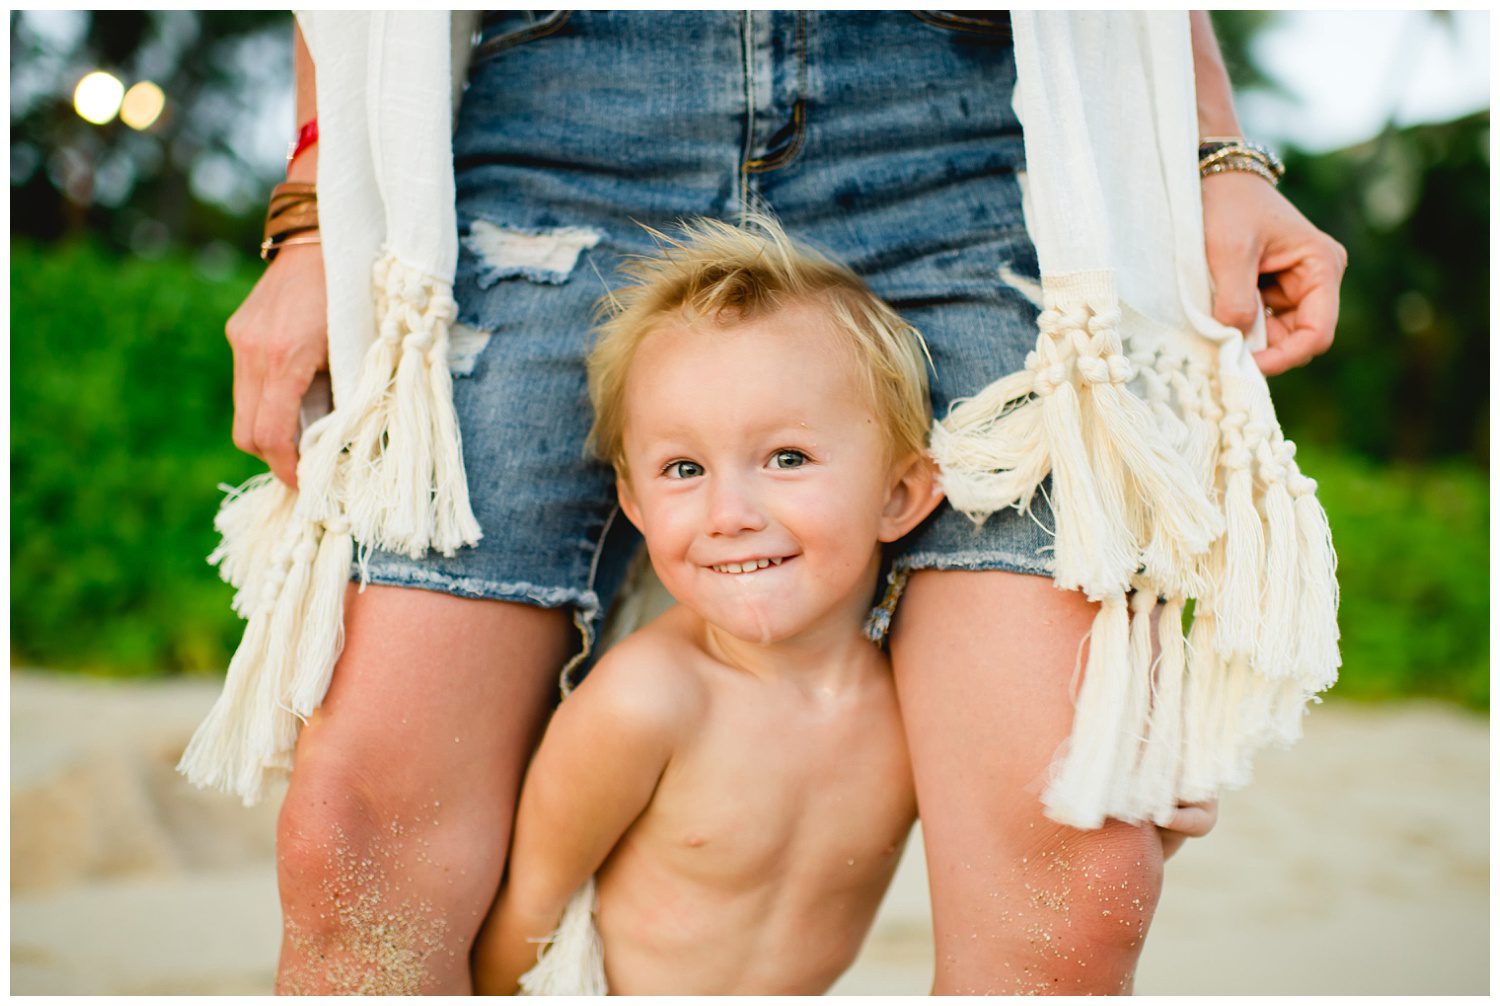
748, 566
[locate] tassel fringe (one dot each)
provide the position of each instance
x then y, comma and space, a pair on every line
385, 469
1276, 643
322, 637
1316, 628
1078, 795
403, 484
1170, 478
1161, 762
251, 521
571, 960
990, 449
1122, 494
1135, 713
1238, 594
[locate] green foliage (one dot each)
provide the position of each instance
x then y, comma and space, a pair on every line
1236, 31
120, 416
1413, 546
1408, 376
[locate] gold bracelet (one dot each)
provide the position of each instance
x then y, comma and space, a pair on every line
270, 247
1232, 153
1240, 163
1219, 150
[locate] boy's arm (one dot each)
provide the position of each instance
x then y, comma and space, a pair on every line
593, 774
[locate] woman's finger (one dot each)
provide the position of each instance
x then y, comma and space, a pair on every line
278, 421
1236, 296
1234, 243
279, 341
1275, 298
1296, 337
247, 381
1195, 820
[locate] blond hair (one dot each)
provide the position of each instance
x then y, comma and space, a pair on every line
729, 275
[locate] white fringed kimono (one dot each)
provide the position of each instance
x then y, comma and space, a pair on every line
1170, 476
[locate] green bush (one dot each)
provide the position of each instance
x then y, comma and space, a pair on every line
120, 416
1413, 547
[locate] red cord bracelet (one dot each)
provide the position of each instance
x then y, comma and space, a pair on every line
306, 137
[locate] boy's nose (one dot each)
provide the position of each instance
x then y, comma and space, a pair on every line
733, 509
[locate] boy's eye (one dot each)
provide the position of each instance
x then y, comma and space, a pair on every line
683, 470
788, 459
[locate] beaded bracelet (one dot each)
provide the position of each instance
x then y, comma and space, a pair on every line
1218, 154
1249, 164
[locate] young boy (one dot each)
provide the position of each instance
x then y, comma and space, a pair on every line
735, 773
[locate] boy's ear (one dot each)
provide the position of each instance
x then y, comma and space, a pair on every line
628, 505
915, 492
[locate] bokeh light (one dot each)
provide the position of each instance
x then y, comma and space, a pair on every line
97, 97
142, 105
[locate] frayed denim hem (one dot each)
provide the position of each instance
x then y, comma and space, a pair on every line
585, 603
395, 573
977, 560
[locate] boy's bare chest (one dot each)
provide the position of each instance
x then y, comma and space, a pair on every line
795, 793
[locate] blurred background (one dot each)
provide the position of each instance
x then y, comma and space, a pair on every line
143, 145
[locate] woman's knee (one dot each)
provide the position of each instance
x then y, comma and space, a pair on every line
348, 837
1107, 881
323, 816
364, 910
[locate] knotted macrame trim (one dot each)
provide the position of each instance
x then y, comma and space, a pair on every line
1171, 482
384, 469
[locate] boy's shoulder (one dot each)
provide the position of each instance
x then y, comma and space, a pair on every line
650, 680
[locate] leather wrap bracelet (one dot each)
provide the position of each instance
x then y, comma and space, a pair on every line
291, 218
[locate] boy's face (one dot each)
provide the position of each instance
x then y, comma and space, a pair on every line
759, 474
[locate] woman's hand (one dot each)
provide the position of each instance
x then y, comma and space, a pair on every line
279, 337
1254, 237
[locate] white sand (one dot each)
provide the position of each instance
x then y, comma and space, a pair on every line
1357, 863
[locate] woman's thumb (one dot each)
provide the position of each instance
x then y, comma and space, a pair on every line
1236, 290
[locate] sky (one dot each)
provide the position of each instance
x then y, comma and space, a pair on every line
1349, 71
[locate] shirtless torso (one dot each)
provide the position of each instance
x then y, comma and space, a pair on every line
774, 828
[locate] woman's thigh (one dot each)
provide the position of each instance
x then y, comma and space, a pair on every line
433, 691
986, 667
394, 831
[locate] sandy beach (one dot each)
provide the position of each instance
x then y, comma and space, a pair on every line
1358, 862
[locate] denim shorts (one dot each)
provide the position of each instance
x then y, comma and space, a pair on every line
884, 138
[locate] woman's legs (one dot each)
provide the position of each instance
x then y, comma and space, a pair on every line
393, 834
985, 665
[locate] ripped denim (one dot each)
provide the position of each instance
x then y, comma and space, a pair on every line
886, 138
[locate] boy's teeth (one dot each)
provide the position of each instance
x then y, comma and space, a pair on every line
747, 567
